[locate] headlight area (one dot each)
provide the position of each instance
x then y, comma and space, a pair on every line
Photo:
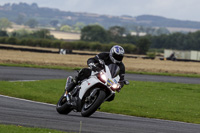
102, 77
114, 87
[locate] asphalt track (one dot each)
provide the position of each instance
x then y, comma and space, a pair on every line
34, 114
24, 73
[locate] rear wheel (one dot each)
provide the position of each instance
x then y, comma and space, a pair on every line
63, 107
92, 103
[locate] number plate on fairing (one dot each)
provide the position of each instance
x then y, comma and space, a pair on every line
110, 82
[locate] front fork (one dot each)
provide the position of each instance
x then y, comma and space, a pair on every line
73, 100
67, 96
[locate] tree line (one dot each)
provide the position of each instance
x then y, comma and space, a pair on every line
117, 34
180, 41
43, 38
94, 36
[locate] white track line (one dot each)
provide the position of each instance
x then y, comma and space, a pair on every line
27, 100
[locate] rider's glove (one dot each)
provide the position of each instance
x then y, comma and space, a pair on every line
101, 62
93, 66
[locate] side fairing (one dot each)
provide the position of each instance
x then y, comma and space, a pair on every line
87, 84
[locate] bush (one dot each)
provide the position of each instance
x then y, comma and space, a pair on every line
3, 33
56, 44
22, 42
11, 40
3, 39
45, 43
129, 48
151, 54
66, 45
95, 46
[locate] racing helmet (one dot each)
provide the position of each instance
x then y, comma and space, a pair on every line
116, 54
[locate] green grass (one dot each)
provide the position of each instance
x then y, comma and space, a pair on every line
78, 68
21, 129
170, 101
47, 91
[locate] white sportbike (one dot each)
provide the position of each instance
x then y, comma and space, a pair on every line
87, 96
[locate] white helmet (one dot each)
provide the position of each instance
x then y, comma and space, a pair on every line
116, 54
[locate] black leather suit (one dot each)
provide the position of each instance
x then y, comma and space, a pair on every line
105, 57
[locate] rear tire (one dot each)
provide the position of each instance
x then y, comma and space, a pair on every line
63, 106
87, 111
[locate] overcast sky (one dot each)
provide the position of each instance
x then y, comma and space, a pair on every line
176, 9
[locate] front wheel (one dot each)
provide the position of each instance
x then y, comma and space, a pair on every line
91, 105
63, 106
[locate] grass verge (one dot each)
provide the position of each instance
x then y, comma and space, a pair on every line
170, 101
21, 129
78, 68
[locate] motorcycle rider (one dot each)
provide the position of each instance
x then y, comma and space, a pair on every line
115, 56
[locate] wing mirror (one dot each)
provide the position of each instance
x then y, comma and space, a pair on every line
126, 82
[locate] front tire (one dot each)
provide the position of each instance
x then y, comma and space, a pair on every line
63, 106
89, 108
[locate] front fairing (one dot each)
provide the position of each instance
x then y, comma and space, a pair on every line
112, 77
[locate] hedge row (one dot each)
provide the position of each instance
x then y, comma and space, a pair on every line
78, 45
96, 46
31, 42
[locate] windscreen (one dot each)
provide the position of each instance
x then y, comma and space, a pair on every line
114, 70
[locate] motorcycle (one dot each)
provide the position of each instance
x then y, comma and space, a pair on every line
87, 96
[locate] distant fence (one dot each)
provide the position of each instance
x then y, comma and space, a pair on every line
28, 49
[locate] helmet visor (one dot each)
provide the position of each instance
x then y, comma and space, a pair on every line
118, 57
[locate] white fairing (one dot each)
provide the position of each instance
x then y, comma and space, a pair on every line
93, 80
